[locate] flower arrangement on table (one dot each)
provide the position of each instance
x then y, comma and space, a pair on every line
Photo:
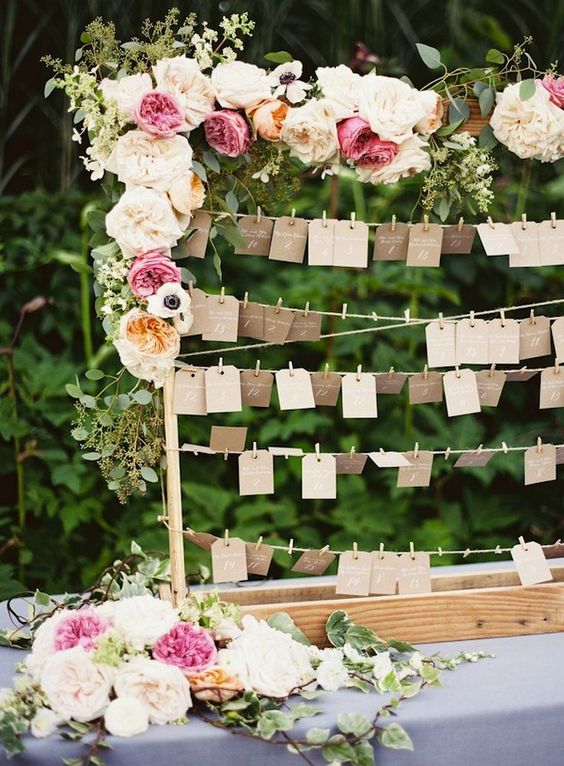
175, 121
118, 659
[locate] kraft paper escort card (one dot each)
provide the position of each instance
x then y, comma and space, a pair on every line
351, 463
390, 382
351, 244
306, 326
251, 320
540, 464
504, 341
314, 562
384, 574
441, 344
223, 389
256, 390
277, 323
197, 242
223, 318
256, 473
461, 392
520, 376
353, 574
530, 561
490, 386
190, 392
230, 438
256, 234
476, 459
414, 573
326, 388
390, 242
229, 560
259, 558
497, 239
321, 236
552, 388
472, 341
294, 389
319, 477
203, 540
527, 238
559, 455
551, 243
199, 309
389, 459
458, 240
425, 388
424, 247
418, 474
359, 395
534, 337
289, 239
558, 337
196, 449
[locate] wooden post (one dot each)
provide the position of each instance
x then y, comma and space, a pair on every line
174, 494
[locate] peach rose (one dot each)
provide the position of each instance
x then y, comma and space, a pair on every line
215, 685
432, 103
187, 193
147, 346
268, 119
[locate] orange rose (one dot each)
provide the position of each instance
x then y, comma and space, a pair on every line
147, 346
150, 334
268, 119
214, 685
187, 193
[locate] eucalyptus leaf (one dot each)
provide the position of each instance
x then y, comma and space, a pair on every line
49, 87
493, 56
94, 374
486, 101
88, 401
430, 56
91, 456
199, 170
486, 139
211, 161
149, 474
73, 390
142, 396
527, 89
279, 57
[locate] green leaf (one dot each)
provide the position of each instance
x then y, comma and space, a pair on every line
74, 391
122, 402
486, 100
431, 57
317, 736
91, 456
336, 627
360, 684
199, 170
527, 89
142, 396
364, 753
132, 45
42, 599
96, 220
279, 57
443, 209
458, 110
338, 750
149, 474
354, 723
88, 401
85, 38
232, 235
363, 638
401, 646
211, 161
49, 87
493, 56
283, 622
396, 737
79, 434
486, 139
232, 202
94, 374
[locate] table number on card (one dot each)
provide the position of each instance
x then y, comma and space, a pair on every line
319, 477
472, 339
441, 344
558, 338
414, 573
223, 389
314, 562
359, 395
526, 235
223, 318
199, 310
552, 388
256, 473
490, 385
390, 382
321, 236
277, 323
259, 558
476, 459
390, 242
351, 244
351, 463
251, 320
534, 337
289, 239
384, 574
425, 387
294, 389
256, 232
197, 242
326, 388
256, 388
353, 574
503, 341
551, 242
461, 392
190, 392
418, 474
424, 247
540, 464
532, 566
229, 560
458, 240
497, 239
306, 326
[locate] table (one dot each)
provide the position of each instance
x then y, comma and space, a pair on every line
497, 712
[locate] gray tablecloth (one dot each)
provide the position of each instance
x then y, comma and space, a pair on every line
497, 712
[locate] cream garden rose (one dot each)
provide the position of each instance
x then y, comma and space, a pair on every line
187, 193
143, 220
410, 160
193, 91
240, 86
391, 107
143, 619
340, 87
126, 717
44, 642
127, 92
311, 132
161, 688
432, 103
138, 159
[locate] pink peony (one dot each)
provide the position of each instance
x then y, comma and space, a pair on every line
159, 114
149, 271
228, 132
365, 148
555, 86
189, 647
79, 629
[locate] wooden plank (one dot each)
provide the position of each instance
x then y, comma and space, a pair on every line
174, 494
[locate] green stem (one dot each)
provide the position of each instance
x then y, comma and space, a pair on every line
85, 302
524, 186
20, 477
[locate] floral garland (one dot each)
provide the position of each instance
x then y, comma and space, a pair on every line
174, 120
118, 659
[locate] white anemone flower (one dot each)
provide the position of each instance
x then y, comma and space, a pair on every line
285, 80
169, 301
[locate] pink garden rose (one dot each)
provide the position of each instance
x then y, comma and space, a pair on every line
159, 114
189, 647
228, 132
555, 86
365, 148
149, 271
79, 628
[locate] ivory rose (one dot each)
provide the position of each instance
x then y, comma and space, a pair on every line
214, 685
161, 688
149, 271
311, 133
143, 220
555, 86
363, 147
44, 642
147, 347
75, 686
127, 91
228, 133
268, 119
411, 158
139, 159
158, 113
187, 193
432, 103
239, 85
391, 107
192, 90
142, 619
340, 88
126, 717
